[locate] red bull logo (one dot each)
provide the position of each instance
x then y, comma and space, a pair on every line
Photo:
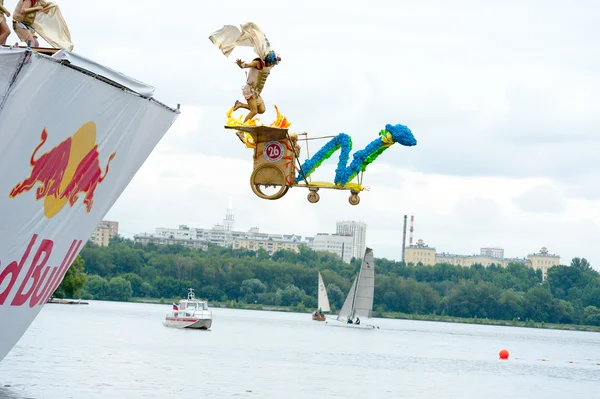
69, 169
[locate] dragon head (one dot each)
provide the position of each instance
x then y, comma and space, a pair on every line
401, 134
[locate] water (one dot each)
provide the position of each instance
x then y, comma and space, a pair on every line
121, 350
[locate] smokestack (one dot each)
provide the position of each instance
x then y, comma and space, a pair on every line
404, 239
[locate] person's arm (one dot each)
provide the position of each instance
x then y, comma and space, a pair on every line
252, 64
27, 9
4, 10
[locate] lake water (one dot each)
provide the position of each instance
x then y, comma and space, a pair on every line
121, 350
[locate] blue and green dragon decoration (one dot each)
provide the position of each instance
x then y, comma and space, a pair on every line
344, 173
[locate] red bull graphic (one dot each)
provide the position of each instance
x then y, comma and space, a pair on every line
37, 286
69, 169
58, 166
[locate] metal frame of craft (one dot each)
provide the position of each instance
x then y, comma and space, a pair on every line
279, 173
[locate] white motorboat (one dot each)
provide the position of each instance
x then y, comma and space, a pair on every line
190, 313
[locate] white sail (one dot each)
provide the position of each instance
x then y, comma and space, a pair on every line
347, 308
323, 299
363, 302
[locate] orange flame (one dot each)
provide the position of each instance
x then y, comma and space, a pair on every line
280, 121
233, 121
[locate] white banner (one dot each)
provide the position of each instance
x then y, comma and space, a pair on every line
69, 145
9, 61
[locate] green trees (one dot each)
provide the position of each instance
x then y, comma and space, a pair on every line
251, 289
74, 281
570, 294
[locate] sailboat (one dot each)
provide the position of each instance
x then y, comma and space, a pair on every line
323, 301
359, 302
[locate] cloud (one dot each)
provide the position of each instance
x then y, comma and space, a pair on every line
503, 104
453, 214
541, 199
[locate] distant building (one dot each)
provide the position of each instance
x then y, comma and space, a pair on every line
104, 231
543, 260
218, 235
429, 257
309, 241
523, 261
223, 235
146, 239
358, 231
271, 245
451, 259
420, 253
493, 252
200, 238
113, 226
341, 245
471, 260
101, 235
182, 232
229, 220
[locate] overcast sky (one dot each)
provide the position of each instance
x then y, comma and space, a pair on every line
502, 97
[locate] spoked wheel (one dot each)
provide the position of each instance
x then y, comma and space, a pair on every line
313, 197
354, 198
268, 182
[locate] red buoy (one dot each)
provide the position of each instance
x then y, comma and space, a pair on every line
504, 354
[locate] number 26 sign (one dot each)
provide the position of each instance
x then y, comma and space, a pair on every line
273, 151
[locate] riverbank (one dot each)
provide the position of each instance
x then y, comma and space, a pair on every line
505, 323
390, 315
67, 301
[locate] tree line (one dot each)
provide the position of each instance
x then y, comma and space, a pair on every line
125, 270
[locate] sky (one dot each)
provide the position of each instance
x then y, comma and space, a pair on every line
502, 97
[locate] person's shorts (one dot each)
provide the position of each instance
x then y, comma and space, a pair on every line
23, 31
248, 92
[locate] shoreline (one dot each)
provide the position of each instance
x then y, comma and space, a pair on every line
389, 315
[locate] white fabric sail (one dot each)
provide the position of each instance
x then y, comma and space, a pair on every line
363, 302
323, 299
51, 25
346, 311
359, 301
251, 35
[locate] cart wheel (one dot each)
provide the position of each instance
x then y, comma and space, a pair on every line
313, 197
268, 182
354, 199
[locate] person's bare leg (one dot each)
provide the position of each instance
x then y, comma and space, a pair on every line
261, 107
26, 35
239, 105
4, 32
253, 109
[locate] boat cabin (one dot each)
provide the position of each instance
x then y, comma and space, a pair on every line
190, 305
